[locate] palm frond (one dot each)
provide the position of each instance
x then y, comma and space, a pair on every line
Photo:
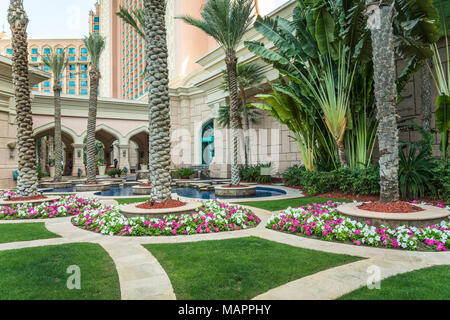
95, 44
57, 62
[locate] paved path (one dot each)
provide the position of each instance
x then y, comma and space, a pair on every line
142, 277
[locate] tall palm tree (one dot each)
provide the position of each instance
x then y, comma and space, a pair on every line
380, 23
28, 177
227, 21
248, 76
57, 63
158, 97
95, 44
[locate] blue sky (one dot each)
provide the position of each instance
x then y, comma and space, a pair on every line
52, 19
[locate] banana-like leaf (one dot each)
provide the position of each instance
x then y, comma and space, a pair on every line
324, 32
268, 55
443, 114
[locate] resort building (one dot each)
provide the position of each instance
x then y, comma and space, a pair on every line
196, 76
74, 80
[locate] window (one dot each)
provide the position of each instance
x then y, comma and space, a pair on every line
47, 51
46, 68
34, 51
72, 51
72, 58
83, 67
96, 19
72, 76
84, 83
47, 84
96, 27
72, 84
34, 59
71, 91
84, 92
83, 58
72, 67
59, 50
84, 75
8, 51
84, 51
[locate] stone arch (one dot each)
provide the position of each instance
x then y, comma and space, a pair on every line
39, 131
137, 140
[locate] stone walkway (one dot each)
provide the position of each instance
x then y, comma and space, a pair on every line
142, 277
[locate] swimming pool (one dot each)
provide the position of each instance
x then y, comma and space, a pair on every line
188, 192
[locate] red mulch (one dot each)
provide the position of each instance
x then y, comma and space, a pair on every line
390, 207
235, 186
40, 197
161, 205
145, 185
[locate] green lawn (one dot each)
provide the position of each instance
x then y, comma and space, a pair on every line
237, 268
131, 200
12, 232
274, 205
426, 284
41, 273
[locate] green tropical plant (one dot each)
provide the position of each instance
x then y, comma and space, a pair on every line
57, 63
184, 173
223, 119
27, 180
441, 76
95, 44
248, 76
227, 21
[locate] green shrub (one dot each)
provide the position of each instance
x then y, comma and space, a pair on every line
183, 173
348, 180
113, 172
250, 173
441, 180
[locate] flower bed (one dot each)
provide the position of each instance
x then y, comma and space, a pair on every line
212, 217
323, 221
65, 206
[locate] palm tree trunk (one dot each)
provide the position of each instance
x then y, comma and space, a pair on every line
58, 139
91, 165
159, 102
231, 62
341, 153
426, 95
28, 178
245, 127
386, 95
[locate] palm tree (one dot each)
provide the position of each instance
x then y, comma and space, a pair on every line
227, 21
28, 177
380, 24
248, 76
95, 44
57, 63
158, 97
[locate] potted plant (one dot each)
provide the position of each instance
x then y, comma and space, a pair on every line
51, 167
144, 166
101, 166
124, 172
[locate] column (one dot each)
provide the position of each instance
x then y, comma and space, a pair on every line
123, 156
78, 160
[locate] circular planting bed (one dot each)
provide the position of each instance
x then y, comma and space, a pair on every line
53, 207
325, 222
92, 187
145, 209
230, 191
31, 201
142, 189
209, 217
416, 215
57, 185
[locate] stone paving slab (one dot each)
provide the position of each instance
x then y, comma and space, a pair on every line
335, 282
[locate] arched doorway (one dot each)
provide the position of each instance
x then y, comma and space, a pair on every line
208, 143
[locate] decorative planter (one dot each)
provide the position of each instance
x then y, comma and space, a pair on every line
142, 190
431, 215
238, 192
92, 187
130, 211
57, 185
51, 171
101, 170
33, 203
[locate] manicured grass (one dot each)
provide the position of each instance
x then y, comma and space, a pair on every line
131, 200
274, 205
12, 232
426, 284
237, 268
41, 273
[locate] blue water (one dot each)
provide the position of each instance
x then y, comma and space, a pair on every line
187, 192
195, 193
